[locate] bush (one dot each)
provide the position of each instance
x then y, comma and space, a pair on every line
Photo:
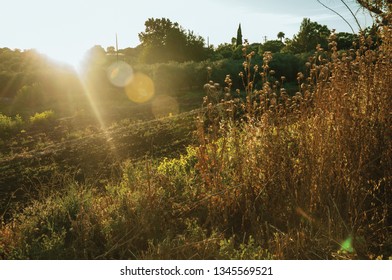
287, 65
9, 125
42, 119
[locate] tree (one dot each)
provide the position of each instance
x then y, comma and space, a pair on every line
110, 50
224, 51
345, 40
273, 46
281, 36
239, 36
195, 49
164, 41
309, 36
94, 70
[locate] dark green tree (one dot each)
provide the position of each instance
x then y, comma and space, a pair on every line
239, 36
281, 36
345, 40
224, 51
163, 41
309, 36
273, 46
195, 49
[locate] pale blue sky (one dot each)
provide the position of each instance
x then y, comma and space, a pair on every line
65, 29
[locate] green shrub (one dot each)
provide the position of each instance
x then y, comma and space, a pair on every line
9, 125
179, 172
42, 119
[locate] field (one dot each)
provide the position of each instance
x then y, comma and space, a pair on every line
255, 173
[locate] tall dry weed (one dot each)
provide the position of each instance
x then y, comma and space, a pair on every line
307, 171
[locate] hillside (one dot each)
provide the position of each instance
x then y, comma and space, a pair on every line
42, 158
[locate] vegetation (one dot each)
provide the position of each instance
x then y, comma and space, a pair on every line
9, 125
164, 41
290, 156
239, 41
309, 36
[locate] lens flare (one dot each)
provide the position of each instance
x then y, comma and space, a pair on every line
347, 245
141, 89
163, 106
120, 74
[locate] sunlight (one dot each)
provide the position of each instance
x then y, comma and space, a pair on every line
98, 115
72, 58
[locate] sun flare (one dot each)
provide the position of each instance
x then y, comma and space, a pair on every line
71, 58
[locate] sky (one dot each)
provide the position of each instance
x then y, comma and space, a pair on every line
65, 29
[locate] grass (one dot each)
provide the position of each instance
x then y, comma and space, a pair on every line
267, 175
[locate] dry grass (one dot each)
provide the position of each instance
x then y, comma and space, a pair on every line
304, 173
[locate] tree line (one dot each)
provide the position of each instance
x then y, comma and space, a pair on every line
175, 58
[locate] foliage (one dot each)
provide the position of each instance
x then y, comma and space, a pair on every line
281, 35
273, 46
164, 41
32, 97
228, 51
42, 119
309, 36
30, 82
239, 36
195, 50
9, 125
12, 66
287, 65
346, 40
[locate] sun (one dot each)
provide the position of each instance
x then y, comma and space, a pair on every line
69, 57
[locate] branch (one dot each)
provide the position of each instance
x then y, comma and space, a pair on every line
378, 11
348, 8
371, 8
325, 6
